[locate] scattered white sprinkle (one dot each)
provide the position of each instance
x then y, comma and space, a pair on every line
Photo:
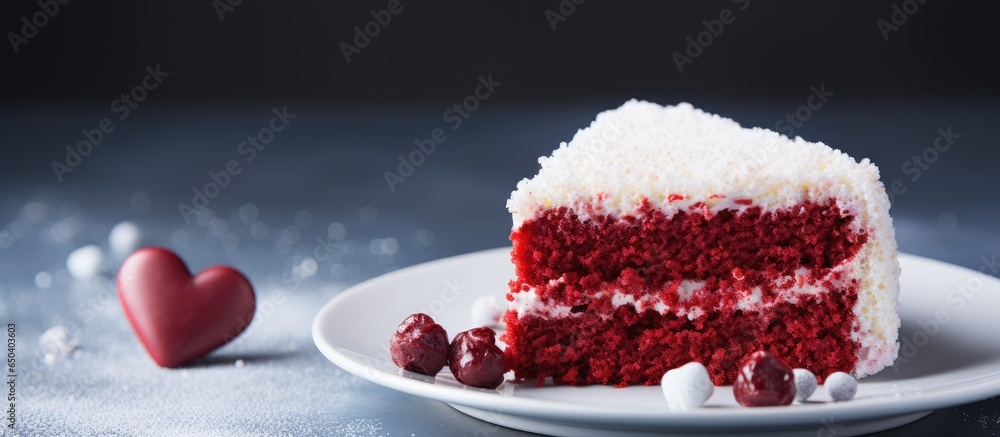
124, 238
487, 311
56, 342
381, 246
218, 228
687, 387
239, 364
43, 280
390, 246
805, 384
306, 268
348, 249
259, 230
249, 213
336, 231
841, 386
85, 263
422, 238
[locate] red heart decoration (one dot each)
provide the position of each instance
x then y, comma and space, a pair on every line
179, 317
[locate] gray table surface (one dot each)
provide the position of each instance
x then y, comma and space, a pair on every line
330, 163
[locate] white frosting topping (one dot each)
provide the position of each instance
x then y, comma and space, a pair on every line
644, 151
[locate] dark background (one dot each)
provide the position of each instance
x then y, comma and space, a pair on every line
289, 51
937, 70
354, 120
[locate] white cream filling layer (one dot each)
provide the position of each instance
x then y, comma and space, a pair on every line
788, 288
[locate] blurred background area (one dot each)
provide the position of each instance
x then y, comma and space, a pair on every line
330, 142
368, 80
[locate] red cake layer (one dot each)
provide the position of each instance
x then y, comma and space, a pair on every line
655, 249
567, 261
631, 348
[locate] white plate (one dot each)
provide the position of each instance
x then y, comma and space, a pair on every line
940, 365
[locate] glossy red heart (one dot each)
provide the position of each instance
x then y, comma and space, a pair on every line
179, 317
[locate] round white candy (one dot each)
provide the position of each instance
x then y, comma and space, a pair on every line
124, 238
56, 341
805, 384
687, 387
486, 311
841, 386
85, 263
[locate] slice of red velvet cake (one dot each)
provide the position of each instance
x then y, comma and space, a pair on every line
664, 235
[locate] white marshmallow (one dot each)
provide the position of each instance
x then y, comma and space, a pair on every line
85, 263
487, 311
687, 387
805, 384
841, 386
124, 238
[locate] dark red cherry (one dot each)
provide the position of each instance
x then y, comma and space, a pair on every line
419, 345
475, 358
763, 381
